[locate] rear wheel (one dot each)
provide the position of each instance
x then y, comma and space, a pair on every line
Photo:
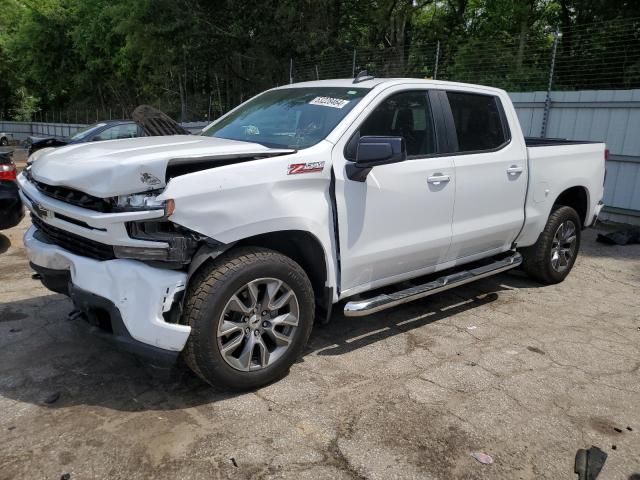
251, 313
4, 141
552, 257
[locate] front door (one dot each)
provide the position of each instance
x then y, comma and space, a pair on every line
397, 223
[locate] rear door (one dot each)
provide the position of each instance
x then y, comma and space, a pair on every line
397, 223
491, 174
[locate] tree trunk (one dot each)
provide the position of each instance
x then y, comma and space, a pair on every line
522, 42
183, 99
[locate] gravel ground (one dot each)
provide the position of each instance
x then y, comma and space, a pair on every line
525, 373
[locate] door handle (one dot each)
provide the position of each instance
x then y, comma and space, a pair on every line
514, 170
438, 178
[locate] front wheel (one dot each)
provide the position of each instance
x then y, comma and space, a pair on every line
552, 257
251, 312
4, 141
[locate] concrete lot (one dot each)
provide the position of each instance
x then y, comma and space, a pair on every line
525, 373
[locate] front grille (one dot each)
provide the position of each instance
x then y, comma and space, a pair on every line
74, 243
74, 197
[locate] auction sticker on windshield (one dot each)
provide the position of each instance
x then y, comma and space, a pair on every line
329, 102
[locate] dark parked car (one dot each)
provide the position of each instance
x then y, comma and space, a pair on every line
5, 138
107, 130
11, 211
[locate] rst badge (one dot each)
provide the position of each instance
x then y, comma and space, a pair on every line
310, 167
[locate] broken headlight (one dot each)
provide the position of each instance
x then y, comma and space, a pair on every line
181, 242
142, 201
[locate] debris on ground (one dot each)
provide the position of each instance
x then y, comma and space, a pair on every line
53, 398
589, 463
536, 350
66, 476
483, 458
621, 237
233, 460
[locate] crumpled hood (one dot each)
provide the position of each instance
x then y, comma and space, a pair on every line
122, 167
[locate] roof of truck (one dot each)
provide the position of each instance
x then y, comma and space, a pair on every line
374, 82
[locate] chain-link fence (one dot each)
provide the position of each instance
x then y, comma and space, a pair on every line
595, 56
604, 55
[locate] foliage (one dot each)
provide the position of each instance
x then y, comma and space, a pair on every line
198, 58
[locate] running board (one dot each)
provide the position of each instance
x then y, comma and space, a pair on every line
360, 308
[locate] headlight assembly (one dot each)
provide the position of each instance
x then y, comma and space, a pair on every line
143, 201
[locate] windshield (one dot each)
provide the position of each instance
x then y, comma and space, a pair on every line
83, 132
289, 118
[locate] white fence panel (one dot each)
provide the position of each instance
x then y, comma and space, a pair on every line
612, 116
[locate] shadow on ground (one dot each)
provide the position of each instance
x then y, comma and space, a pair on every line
42, 352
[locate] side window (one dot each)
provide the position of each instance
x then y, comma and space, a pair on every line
126, 130
478, 121
408, 115
107, 134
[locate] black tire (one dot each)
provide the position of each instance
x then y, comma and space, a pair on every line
537, 259
210, 290
4, 142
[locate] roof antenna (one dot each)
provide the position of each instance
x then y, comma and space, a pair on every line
363, 76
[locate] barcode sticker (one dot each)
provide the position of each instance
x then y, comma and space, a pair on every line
329, 102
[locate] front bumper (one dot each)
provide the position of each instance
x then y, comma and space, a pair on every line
132, 291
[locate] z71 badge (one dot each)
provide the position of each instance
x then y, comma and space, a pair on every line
296, 168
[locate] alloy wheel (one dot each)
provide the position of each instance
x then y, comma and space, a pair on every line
258, 324
563, 247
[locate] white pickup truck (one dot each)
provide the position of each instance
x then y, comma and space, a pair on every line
225, 247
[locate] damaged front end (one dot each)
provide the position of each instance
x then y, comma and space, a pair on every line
181, 243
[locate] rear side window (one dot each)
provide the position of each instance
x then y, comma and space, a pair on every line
478, 120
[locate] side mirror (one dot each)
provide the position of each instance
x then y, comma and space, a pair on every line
374, 151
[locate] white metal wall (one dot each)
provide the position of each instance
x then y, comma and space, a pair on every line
22, 130
612, 116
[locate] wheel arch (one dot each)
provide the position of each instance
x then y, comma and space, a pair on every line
576, 197
301, 246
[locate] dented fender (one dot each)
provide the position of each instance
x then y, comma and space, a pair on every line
232, 202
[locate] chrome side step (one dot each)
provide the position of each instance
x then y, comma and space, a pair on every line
360, 308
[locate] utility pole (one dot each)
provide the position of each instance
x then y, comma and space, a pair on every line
547, 101
435, 68
291, 70
353, 65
